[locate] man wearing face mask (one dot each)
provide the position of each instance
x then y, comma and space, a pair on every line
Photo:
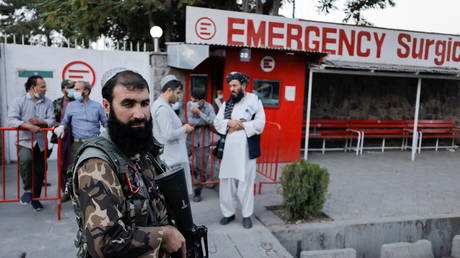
60, 106
200, 114
242, 119
218, 100
168, 128
83, 115
32, 112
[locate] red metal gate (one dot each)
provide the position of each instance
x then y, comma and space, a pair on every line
45, 197
267, 163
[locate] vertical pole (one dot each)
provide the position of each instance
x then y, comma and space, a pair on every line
3, 166
417, 107
59, 165
307, 124
17, 165
293, 9
155, 42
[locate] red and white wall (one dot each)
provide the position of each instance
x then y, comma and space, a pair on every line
61, 63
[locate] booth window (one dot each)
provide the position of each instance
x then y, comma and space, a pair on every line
268, 92
198, 81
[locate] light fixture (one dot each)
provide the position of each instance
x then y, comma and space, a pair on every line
245, 54
156, 32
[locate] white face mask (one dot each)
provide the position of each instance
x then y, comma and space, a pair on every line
195, 104
220, 96
77, 95
36, 95
175, 106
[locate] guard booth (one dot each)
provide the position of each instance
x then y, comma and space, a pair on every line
282, 57
276, 76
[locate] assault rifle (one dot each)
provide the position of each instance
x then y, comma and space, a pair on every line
174, 189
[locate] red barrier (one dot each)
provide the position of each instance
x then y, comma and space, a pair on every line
45, 176
207, 161
267, 163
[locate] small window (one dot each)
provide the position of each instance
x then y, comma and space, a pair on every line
198, 82
268, 92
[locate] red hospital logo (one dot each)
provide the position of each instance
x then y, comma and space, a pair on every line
79, 71
205, 28
267, 64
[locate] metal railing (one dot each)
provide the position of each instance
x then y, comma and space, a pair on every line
75, 43
46, 196
267, 163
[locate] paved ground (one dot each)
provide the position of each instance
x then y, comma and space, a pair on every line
385, 185
41, 235
371, 187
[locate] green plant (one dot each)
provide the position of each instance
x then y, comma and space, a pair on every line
304, 187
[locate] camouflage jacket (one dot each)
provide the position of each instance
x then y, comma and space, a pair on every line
106, 213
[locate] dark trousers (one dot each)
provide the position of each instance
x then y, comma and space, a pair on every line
66, 156
200, 166
30, 176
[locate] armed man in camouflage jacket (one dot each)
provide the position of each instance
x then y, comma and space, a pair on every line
111, 223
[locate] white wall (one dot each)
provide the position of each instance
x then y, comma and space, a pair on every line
21, 57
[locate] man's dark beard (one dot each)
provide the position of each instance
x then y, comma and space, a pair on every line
238, 97
130, 140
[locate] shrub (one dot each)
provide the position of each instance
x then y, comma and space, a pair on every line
304, 187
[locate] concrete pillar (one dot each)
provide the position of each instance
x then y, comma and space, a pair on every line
456, 247
419, 249
334, 253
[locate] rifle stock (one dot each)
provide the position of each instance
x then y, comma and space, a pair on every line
174, 189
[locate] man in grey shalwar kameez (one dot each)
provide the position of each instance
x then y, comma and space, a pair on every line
168, 128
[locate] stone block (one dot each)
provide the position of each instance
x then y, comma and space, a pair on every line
456, 247
333, 253
419, 249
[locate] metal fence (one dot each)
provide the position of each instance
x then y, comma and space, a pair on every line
202, 160
13, 195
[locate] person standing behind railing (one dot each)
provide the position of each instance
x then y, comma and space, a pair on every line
200, 115
60, 105
32, 111
85, 116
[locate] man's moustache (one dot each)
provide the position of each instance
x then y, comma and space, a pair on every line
136, 121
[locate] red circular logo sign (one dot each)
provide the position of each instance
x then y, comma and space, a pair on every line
79, 71
267, 64
205, 28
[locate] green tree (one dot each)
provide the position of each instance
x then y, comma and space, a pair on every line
20, 17
353, 8
132, 19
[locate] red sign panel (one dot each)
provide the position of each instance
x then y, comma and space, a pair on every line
79, 71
